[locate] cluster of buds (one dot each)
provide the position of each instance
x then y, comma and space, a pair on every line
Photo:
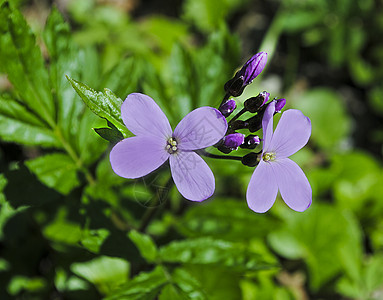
254, 105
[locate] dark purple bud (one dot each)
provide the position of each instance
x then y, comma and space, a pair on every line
234, 86
280, 104
233, 140
253, 104
251, 142
228, 107
238, 124
253, 67
250, 159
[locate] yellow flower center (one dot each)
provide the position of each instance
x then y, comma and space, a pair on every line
268, 156
171, 145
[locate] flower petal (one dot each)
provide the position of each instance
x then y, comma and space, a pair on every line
192, 176
267, 125
138, 156
142, 116
201, 128
292, 133
293, 184
262, 190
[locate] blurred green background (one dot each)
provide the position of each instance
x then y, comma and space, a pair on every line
72, 229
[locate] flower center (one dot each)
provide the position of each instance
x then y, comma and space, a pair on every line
269, 156
171, 145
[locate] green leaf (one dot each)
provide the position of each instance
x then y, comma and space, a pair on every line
308, 236
111, 133
212, 252
145, 245
21, 283
145, 286
326, 112
93, 239
65, 59
56, 170
21, 59
106, 273
225, 219
13, 130
106, 105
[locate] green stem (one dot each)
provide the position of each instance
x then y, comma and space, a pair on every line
216, 156
151, 212
240, 113
72, 153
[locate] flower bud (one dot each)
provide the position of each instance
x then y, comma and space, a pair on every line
280, 104
250, 70
251, 142
238, 124
228, 107
253, 104
250, 159
253, 67
234, 86
233, 140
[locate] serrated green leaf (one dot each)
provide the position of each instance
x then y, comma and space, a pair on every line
13, 130
106, 273
212, 252
57, 171
145, 286
65, 59
145, 245
21, 58
106, 105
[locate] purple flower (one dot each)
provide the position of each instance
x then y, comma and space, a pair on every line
275, 170
253, 67
228, 107
155, 143
233, 140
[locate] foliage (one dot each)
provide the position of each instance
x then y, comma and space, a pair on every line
71, 228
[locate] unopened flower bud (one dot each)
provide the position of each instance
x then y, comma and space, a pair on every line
238, 124
253, 104
233, 140
250, 159
250, 70
253, 67
251, 142
235, 86
228, 107
280, 104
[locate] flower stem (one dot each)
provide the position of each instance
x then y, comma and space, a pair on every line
240, 113
211, 155
151, 211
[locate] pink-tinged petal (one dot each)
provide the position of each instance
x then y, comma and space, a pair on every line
201, 128
138, 156
142, 116
267, 125
262, 190
292, 133
293, 185
192, 176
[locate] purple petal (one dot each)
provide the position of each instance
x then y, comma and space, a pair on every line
293, 184
142, 116
234, 140
292, 133
138, 156
262, 190
192, 176
253, 67
201, 128
267, 125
